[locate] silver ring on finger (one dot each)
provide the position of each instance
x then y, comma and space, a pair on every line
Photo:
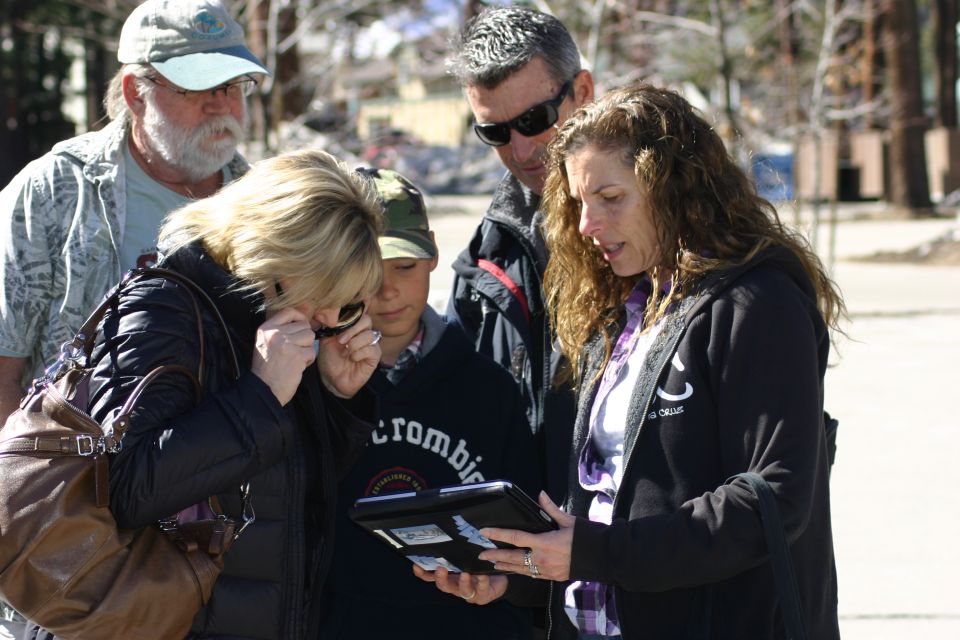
376, 337
534, 571
528, 558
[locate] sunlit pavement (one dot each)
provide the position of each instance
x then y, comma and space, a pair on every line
894, 387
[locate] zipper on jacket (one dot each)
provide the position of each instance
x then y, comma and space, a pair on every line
628, 453
546, 347
549, 609
111, 232
296, 538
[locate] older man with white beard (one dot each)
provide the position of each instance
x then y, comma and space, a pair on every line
74, 220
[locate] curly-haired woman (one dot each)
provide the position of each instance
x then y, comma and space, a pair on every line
698, 327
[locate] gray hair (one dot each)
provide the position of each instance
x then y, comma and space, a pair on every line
113, 102
498, 41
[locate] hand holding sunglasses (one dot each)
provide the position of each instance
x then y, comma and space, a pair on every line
349, 315
531, 122
282, 350
348, 361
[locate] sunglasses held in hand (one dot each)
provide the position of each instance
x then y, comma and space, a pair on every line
350, 315
531, 122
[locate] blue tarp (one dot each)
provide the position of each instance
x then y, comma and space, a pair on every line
773, 176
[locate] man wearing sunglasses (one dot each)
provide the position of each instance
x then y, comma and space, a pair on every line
73, 221
521, 74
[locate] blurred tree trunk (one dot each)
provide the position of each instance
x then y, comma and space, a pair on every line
945, 72
789, 38
288, 94
33, 70
718, 17
258, 12
272, 35
909, 188
871, 69
99, 66
788, 62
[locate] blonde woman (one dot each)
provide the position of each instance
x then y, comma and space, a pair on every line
698, 330
288, 254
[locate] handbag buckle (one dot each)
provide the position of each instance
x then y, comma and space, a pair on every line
86, 446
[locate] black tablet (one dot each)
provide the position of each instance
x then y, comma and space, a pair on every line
440, 527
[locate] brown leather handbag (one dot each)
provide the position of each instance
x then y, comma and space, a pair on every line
64, 563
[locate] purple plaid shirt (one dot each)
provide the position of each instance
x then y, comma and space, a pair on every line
590, 605
407, 359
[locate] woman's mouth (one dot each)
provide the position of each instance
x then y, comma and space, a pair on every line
612, 250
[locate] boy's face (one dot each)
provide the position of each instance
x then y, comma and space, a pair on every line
397, 307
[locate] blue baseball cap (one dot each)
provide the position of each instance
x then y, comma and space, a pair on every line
194, 44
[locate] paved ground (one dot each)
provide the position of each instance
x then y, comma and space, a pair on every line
895, 480
895, 506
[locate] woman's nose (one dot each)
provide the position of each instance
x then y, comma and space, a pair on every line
589, 222
327, 317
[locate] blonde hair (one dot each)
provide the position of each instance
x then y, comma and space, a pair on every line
302, 215
707, 214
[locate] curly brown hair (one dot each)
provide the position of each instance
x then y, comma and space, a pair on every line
707, 214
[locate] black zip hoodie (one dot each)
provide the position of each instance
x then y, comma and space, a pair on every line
732, 383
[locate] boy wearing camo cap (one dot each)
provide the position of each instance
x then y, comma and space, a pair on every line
409, 256
448, 415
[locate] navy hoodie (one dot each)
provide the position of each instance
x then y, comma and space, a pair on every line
456, 417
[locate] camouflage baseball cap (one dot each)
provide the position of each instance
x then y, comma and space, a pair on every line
408, 231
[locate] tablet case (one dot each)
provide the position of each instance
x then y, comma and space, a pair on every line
440, 527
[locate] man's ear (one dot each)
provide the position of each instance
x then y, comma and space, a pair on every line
132, 95
583, 88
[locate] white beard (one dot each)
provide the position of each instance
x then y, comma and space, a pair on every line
190, 150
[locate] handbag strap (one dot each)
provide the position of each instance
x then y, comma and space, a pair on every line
82, 346
778, 549
121, 420
84, 444
84, 339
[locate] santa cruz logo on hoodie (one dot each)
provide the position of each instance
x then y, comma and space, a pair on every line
672, 396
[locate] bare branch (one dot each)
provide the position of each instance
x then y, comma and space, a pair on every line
676, 21
320, 12
837, 115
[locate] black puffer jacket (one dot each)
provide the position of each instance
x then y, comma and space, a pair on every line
176, 454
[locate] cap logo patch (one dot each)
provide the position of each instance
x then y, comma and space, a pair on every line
205, 24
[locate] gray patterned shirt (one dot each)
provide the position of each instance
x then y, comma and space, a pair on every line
61, 225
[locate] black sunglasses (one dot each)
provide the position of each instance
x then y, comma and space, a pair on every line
531, 122
350, 315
